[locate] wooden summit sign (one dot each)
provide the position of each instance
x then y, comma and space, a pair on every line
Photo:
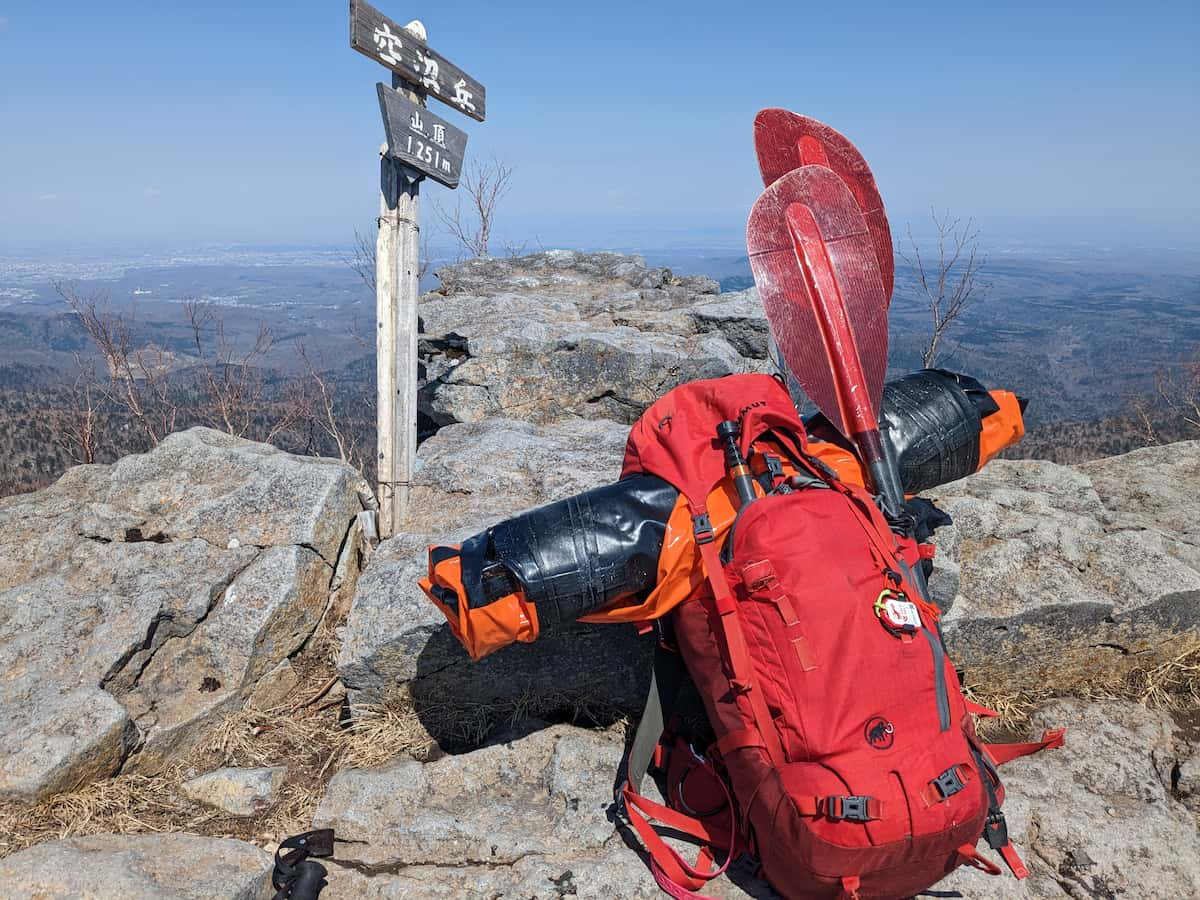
419, 139
375, 35
419, 144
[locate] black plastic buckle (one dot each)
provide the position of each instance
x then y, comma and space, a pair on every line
702, 529
851, 809
774, 466
949, 783
995, 830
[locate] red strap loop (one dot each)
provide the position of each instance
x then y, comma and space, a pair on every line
1002, 753
981, 711
1009, 853
972, 857
673, 867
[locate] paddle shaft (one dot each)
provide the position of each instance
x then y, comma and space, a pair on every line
845, 364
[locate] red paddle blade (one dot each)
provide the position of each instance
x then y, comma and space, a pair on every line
785, 141
836, 259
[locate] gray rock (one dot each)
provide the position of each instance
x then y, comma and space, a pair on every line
1095, 819
1154, 489
274, 688
239, 792
1187, 781
563, 334
615, 872
1057, 576
469, 477
739, 318
265, 615
138, 867
138, 600
521, 819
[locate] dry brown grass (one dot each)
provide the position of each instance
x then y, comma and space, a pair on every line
311, 735
1167, 678
1174, 683
1015, 708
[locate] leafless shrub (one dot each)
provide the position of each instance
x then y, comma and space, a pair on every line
951, 283
1172, 411
1179, 390
318, 411
80, 435
138, 379
362, 259
470, 223
232, 379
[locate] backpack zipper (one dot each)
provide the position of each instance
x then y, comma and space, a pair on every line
939, 678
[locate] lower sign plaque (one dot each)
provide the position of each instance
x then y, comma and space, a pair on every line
419, 139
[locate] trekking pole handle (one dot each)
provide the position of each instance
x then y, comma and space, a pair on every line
735, 464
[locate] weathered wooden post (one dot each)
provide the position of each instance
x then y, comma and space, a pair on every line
419, 144
397, 289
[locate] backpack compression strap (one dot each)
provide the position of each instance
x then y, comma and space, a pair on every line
728, 632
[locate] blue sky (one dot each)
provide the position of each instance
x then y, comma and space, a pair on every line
230, 121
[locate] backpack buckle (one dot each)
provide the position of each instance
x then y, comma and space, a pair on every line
854, 808
702, 529
949, 783
995, 829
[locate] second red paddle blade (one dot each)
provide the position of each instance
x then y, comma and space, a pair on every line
785, 141
785, 293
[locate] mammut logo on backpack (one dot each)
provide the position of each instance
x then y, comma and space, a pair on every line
879, 733
749, 406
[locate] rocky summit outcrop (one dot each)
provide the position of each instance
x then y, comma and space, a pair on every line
560, 334
141, 600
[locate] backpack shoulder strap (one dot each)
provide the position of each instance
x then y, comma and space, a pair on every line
666, 678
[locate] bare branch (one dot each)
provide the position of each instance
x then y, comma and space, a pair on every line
363, 260
953, 285
470, 223
81, 435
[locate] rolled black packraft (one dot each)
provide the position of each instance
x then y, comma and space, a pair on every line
576, 556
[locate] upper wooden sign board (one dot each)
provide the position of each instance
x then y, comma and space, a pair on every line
419, 139
375, 35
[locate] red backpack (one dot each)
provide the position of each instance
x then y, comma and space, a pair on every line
845, 759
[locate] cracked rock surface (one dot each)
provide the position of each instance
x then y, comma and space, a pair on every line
138, 867
1057, 573
142, 599
522, 819
1098, 817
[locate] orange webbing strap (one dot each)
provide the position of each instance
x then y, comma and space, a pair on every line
729, 634
664, 857
1002, 753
